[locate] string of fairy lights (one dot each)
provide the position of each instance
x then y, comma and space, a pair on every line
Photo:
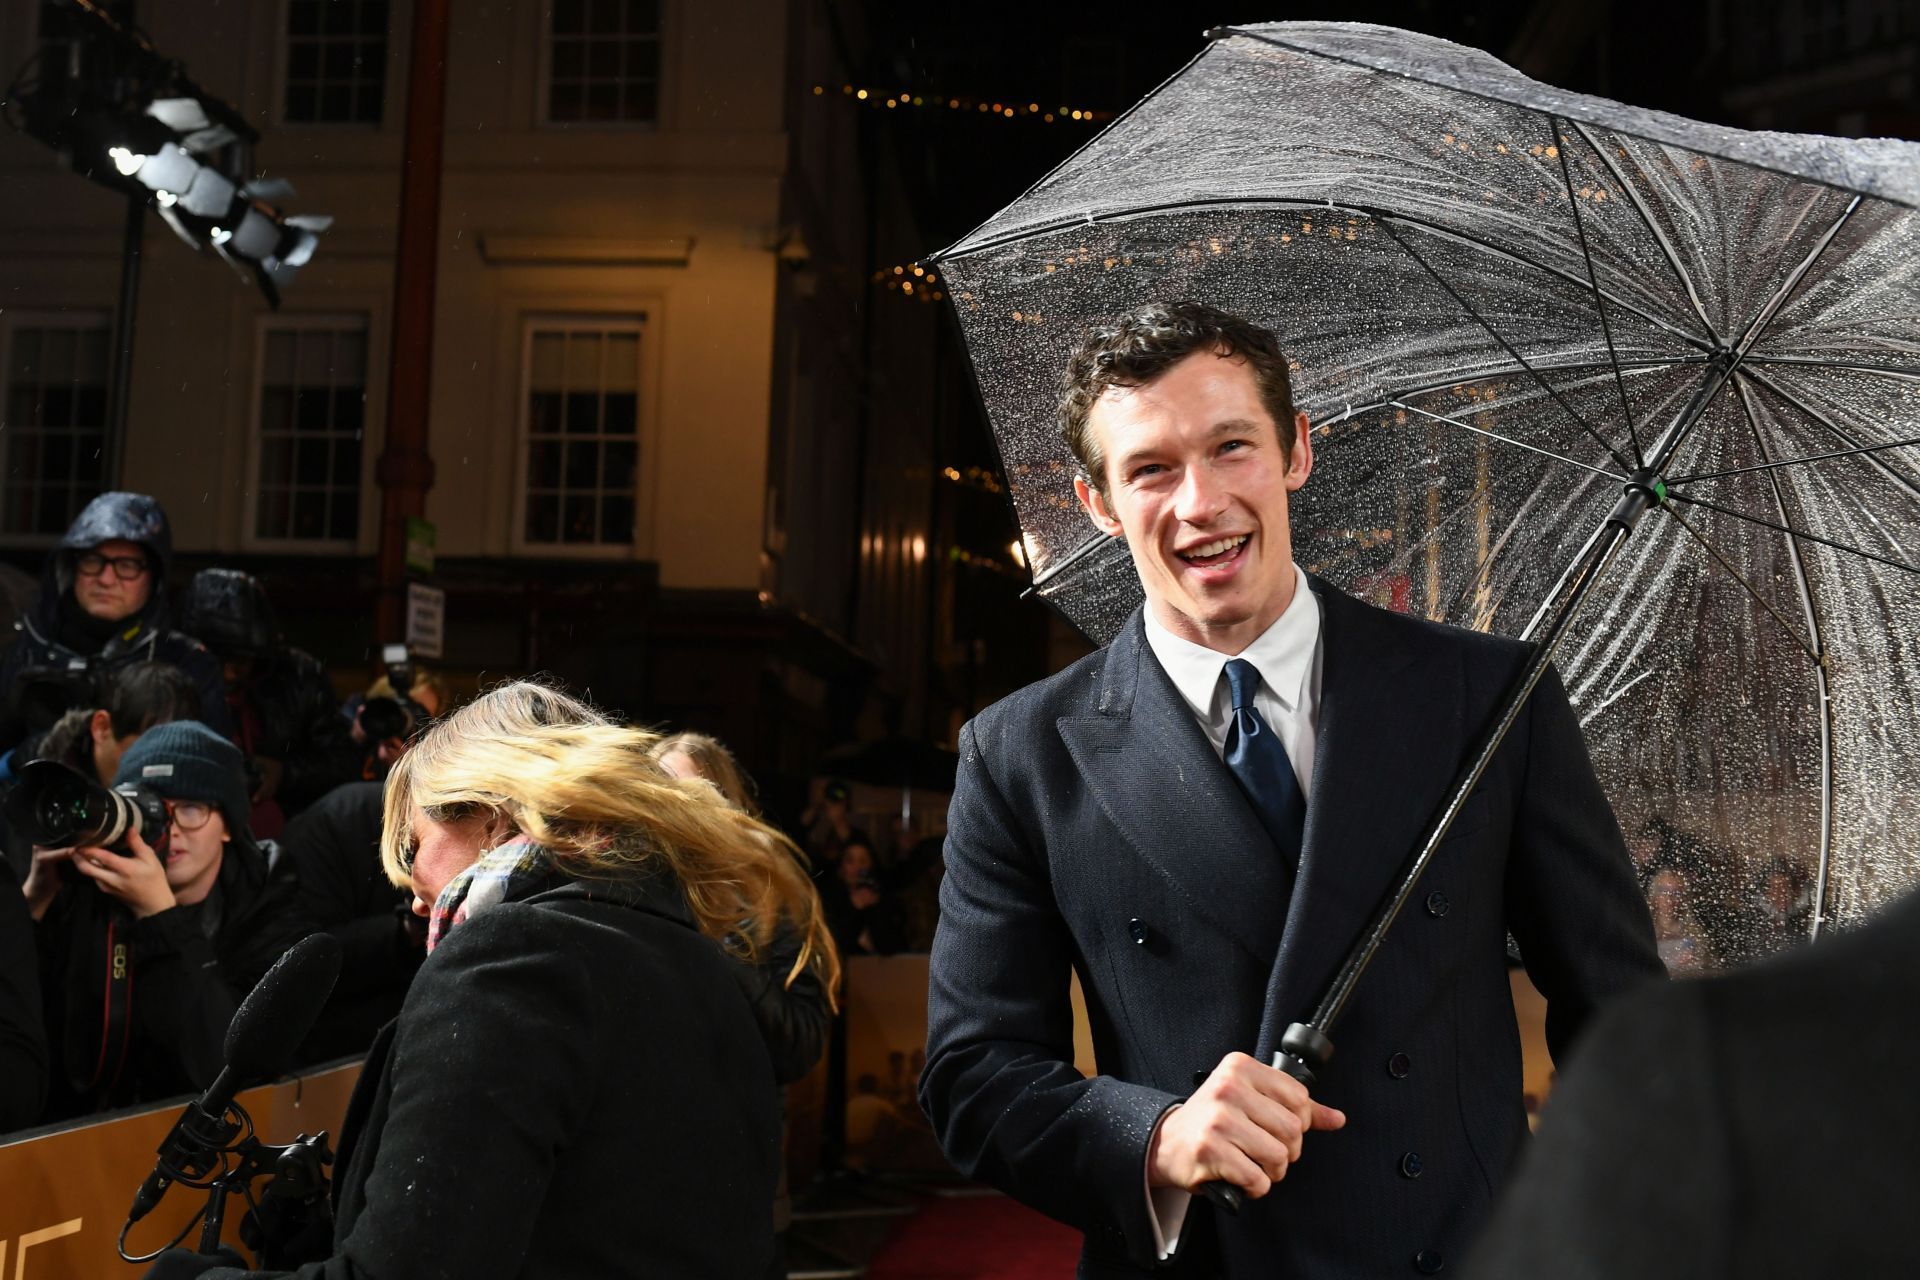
882, 100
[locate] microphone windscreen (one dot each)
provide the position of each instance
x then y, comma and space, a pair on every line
280, 1010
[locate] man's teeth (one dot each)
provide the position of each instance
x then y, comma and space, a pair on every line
1214, 548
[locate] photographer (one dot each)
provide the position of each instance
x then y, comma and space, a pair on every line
91, 740
102, 607
144, 950
296, 744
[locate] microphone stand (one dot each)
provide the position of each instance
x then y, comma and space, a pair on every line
299, 1176
224, 1155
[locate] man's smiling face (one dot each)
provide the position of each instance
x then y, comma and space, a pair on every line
1197, 481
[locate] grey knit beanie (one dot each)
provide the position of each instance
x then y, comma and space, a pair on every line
185, 760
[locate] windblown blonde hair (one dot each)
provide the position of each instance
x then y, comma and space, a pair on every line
715, 763
590, 793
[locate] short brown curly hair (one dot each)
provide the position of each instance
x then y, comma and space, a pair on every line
1138, 346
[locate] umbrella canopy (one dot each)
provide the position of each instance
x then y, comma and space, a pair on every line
1501, 301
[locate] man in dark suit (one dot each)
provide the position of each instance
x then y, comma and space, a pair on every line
1759, 1125
1199, 819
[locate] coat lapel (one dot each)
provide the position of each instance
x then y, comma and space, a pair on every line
1156, 778
1385, 720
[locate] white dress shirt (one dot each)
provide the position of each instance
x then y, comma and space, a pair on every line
1287, 656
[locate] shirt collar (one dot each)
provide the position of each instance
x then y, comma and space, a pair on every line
1282, 654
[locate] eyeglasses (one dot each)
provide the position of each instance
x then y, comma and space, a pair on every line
125, 568
189, 815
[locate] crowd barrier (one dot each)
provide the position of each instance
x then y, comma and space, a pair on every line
65, 1191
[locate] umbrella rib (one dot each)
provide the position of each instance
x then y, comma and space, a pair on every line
1518, 444
1758, 327
1797, 533
1474, 375
1093, 543
1805, 583
1824, 420
1606, 328
1740, 578
1817, 362
1517, 358
1653, 228
1794, 462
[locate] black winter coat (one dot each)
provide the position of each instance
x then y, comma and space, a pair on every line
1758, 1125
23, 1033
288, 713
191, 966
574, 1087
149, 636
334, 849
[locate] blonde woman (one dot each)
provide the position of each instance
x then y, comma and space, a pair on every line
574, 1086
795, 1016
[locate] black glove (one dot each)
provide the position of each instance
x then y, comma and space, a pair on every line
183, 1264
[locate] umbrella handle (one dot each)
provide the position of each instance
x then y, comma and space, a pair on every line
1301, 1044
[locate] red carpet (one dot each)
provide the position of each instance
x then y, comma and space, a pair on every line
977, 1238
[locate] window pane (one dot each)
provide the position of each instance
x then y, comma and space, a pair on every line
349, 410
577, 524
621, 457
583, 361
58, 461
603, 59
603, 102
603, 16
310, 408
569, 59
346, 465
90, 464
56, 407
622, 410
583, 413
643, 59
303, 17
56, 356
569, 16
336, 18
583, 465
623, 362
90, 405
643, 15
641, 102
91, 365
543, 466
336, 102
309, 513
339, 61
276, 409
310, 461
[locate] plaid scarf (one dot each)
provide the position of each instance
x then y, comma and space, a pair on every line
515, 870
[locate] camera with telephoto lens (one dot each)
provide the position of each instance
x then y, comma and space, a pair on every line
57, 807
42, 694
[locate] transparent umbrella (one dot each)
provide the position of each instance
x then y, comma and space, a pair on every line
1520, 318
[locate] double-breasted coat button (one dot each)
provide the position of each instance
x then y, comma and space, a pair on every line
1428, 1262
1137, 928
1411, 1165
1399, 1065
1437, 904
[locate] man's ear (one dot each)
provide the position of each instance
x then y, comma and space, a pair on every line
100, 727
1094, 503
1300, 461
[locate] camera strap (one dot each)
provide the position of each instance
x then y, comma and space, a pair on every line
116, 1019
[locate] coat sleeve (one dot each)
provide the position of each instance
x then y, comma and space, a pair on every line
492, 1063
1628, 1176
185, 999
1573, 904
793, 1018
1000, 1086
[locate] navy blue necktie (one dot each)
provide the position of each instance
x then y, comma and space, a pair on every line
1259, 762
